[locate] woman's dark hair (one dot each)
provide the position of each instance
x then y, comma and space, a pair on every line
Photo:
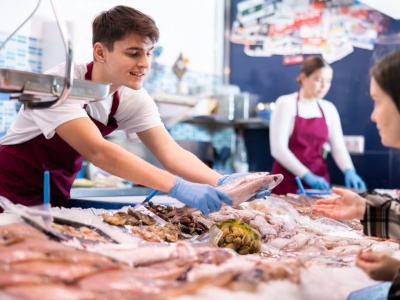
116, 23
312, 64
386, 72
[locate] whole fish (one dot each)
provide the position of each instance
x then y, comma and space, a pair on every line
241, 189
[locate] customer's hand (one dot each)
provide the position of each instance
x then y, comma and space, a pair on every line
377, 265
316, 182
347, 206
353, 180
227, 178
201, 196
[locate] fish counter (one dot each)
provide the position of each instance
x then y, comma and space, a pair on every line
273, 248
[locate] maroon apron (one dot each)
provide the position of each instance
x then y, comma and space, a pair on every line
306, 143
22, 166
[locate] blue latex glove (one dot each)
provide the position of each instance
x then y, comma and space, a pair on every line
352, 179
316, 182
201, 196
260, 194
226, 178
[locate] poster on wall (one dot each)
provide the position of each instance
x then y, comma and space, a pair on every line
292, 28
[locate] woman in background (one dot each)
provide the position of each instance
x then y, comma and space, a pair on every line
301, 124
380, 215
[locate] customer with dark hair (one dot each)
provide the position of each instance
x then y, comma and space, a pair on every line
380, 215
58, 139
302, 123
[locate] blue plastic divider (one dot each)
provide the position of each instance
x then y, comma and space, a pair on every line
376, 292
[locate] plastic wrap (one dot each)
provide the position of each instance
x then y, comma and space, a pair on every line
235, 235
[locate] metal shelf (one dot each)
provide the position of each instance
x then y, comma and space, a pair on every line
41, 91
215, 121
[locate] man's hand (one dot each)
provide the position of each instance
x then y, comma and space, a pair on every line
201, 196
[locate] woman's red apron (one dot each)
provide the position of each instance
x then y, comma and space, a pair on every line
22, 166
306, 143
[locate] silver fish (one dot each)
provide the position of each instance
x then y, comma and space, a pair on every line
241, 189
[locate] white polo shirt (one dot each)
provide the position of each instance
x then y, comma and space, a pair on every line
136, 112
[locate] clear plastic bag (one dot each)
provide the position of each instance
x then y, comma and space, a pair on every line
279, 208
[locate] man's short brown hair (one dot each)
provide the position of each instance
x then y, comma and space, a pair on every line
116, 23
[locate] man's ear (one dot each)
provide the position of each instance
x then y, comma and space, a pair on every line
99, 52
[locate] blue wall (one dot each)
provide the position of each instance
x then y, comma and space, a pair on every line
269, 78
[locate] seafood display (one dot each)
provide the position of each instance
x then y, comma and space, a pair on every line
131, 217
276, 226
235, 235
168, 233
187, 223
32, 265
81, 232
240, 250
13, 233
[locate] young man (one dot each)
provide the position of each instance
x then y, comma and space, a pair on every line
58, 139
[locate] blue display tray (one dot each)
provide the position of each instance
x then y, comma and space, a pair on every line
117, 202
313, 192
376, 292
